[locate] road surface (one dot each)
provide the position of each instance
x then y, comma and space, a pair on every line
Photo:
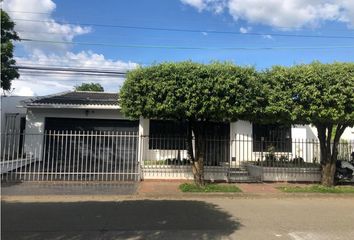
205, 218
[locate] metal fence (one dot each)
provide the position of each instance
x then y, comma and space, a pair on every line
166, 157
70, 155
225, 158
125, 156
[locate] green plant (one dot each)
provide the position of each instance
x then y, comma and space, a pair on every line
298, 160
316, 189
194, 93
270, 157
8, 35
190, 187
318, 94
283, 158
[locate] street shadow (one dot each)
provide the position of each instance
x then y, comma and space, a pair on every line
136, 219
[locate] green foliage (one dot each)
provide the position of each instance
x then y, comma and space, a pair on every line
313, 93
90, 87
8, 72
317, 189
187, 90
190, 187
318, 94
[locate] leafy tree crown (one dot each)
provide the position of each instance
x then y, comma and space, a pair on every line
90, 87
194, 91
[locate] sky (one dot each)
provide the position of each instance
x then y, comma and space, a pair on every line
122, 35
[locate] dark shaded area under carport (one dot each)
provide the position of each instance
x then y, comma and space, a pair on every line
140, 219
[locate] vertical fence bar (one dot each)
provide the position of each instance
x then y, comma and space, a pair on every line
95, 156
57, 143
76, 160
111, 155
91, 153
65, 156
82, 150
120, 156
87, 135
115, 155
70, 172
99, 157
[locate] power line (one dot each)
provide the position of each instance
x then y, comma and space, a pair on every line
41, 13
193, 30
72, 74
191, 48
278, 27
65, 69
80, 66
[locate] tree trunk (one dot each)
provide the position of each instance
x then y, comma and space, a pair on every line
198, 171
198, 164
329, 151
328, 171
196, 156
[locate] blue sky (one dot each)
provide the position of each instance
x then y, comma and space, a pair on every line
296, 17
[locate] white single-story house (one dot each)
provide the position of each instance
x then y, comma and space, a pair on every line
87, 111
71, 118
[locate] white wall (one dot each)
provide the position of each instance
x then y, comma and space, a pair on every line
156, 154
348, 134
241, 141
242, 144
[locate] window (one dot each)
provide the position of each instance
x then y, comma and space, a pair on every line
276, 137
165, 134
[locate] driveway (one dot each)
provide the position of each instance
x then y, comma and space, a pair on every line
69, 188
203, 218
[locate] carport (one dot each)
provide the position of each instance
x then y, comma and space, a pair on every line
79, 136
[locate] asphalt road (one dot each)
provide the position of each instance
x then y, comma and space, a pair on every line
208, 218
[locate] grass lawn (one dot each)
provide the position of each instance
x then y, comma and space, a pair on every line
317, 189
209, 187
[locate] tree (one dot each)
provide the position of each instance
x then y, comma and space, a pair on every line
194, 93
318, 94
8, 71
90, 87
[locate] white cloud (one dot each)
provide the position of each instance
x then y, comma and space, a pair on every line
267, 36
60, 55
216, 6
23, 91
198, 4
42, 84
281, 13
41, 26
245, 29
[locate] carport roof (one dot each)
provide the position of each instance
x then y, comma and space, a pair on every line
76, 99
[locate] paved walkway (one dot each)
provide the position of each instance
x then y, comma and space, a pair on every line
103, 192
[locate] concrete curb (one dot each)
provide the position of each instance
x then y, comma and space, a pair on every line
189, 196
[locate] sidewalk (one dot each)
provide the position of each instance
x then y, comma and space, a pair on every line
149, 189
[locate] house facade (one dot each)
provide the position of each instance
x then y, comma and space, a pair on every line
85, 133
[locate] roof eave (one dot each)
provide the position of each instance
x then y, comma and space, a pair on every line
72, 106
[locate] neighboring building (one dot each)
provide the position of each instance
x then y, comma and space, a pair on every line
13, 118
13, 122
